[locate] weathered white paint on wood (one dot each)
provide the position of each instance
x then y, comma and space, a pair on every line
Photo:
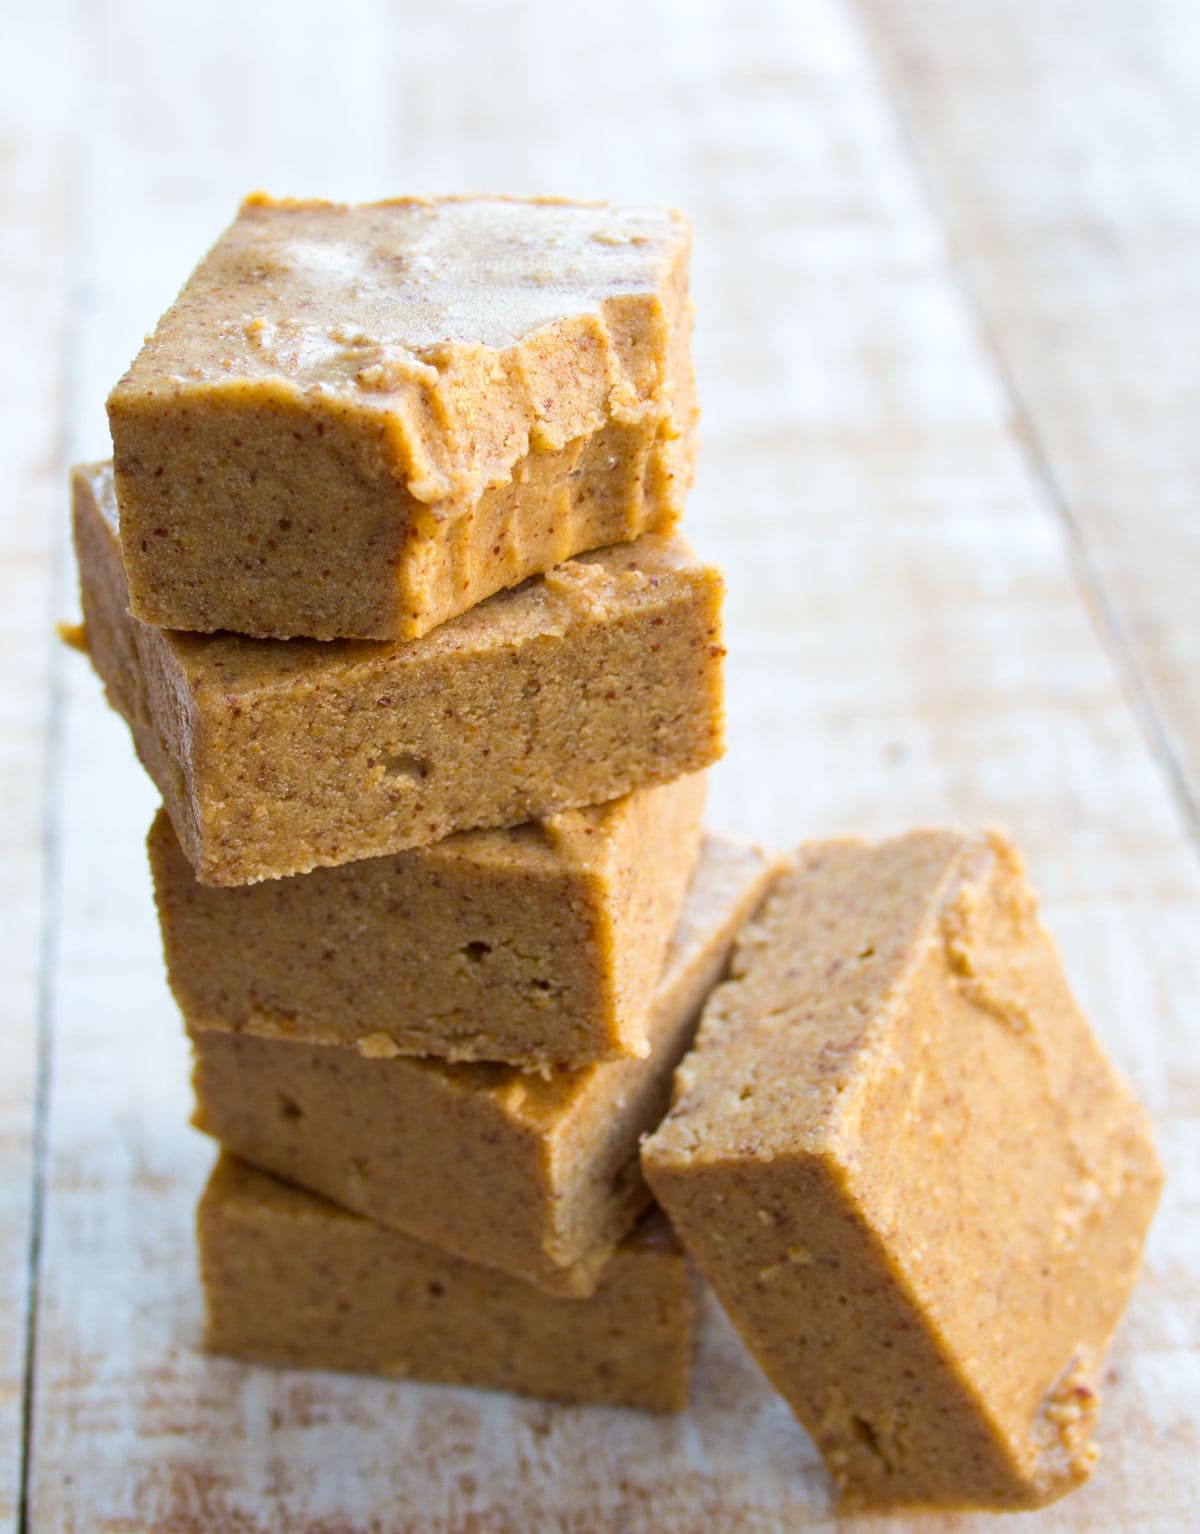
36, 188
1062, 142
907, 644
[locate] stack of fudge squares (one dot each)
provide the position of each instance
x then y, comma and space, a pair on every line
384, 580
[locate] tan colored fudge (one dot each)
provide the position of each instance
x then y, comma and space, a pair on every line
536, 1176
911, 1175
360, 421
291, 1279
275, 757
538, 945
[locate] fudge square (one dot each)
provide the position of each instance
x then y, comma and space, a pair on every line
360, 421
916, 1184
275, 756
538, 1176
538, 945
293, 1280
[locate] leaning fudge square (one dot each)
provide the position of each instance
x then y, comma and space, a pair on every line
358, 421
538, 945
537, 1176
276, 756
290, 1279
917, 1185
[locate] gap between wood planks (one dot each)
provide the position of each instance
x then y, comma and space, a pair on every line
1105, 610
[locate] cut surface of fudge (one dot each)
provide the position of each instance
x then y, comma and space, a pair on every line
290, 1279
538, 1176
359, 421
538, 945
905, 1165
275, 756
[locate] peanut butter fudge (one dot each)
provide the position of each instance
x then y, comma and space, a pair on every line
275, 757
359, 421
911, 1175
291, 1279
538, 945
536, 1176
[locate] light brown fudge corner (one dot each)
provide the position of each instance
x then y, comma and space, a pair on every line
904, 1163
290, 1279
359, 421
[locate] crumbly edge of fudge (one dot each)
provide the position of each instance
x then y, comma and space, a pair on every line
267, 568
459, 412
416, 457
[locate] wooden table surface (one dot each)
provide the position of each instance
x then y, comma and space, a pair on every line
947, 266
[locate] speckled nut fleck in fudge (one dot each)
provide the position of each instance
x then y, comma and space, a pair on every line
540, 945
293, 1280
536, 1176
276, 756
359, 421
914, 1180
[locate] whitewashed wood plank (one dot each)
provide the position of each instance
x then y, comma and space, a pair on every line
907, 643
37, 163
1062, 141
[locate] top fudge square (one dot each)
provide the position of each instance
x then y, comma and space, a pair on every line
359, 421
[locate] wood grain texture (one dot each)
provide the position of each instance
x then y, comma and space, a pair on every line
1062, 142
37, 163
908, 643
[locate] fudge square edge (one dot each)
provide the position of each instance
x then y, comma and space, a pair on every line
539, 945
536, 1175
275, 757
358, 421
293, 1280
916, 1183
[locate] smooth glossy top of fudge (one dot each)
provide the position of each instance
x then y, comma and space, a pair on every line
359, 297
